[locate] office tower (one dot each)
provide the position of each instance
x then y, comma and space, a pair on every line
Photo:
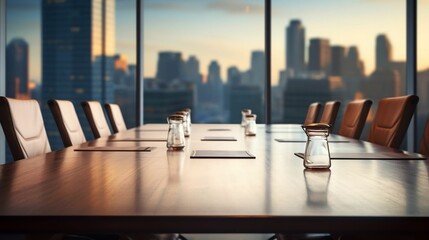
338, 59
17, 69
244, 96
354, 66
383, 52
319, 55
295, 47
191, 70
257, 69
301, 92
233, 76
214, 73
77, 37
168, 67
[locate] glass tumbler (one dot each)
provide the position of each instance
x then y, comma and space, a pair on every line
176, 136
244, 112
317, 148
250, 129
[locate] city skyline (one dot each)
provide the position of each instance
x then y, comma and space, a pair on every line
251, 14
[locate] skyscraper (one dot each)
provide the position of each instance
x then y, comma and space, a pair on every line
338, 59
295, 47
17, 69
191, 71
169, 66
383, 52
257, 69
319, 55
77, 37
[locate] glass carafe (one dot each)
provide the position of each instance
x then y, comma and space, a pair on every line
186, 126
176, 135
317, 148
244, 112
250, 129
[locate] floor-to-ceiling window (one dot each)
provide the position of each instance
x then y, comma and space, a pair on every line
422, 66
207, 55
72, 50
335, 50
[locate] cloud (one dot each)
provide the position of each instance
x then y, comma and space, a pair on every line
236, 6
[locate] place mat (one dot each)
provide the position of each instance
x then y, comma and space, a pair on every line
303, 141
116, 149
138, 140
220, 154
218, 129
213, 138
151, 130
374, 156
286, 131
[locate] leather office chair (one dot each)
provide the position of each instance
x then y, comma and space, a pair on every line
67, 122
95, 116
312, 113
354, 118
392, 119
115, 117
330, 111
25, 140
424, 144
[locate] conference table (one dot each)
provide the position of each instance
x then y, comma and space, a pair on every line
113, 188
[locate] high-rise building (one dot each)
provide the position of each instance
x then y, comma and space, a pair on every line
319, 55
257, 69
191, 70
169, 66
77, 38
354, 66
338, 59
233, 76
295, 47
383, 52
17, 69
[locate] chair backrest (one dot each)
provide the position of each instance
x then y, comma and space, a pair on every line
392, 119
95, 116
330, 111
424, 144
354, 118
115, 117
23, 127
67, 122
312, 113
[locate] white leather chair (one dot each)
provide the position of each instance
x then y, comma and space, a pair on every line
115, 117
23, 127
95, 116
67, 122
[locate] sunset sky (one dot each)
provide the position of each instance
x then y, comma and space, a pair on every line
228, 30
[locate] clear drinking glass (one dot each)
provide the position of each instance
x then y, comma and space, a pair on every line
250, 129
186, 126
317, 148
244, 112
176, 135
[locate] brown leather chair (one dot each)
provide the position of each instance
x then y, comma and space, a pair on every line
23, 127
354, 118
95, 116
312, 113
424, 144
67, 122
392, 119
330, 111
115, 117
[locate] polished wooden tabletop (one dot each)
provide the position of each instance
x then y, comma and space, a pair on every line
167, 191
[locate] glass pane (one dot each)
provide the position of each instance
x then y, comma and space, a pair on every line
206, 55
335, 50
72, 50
422, 67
